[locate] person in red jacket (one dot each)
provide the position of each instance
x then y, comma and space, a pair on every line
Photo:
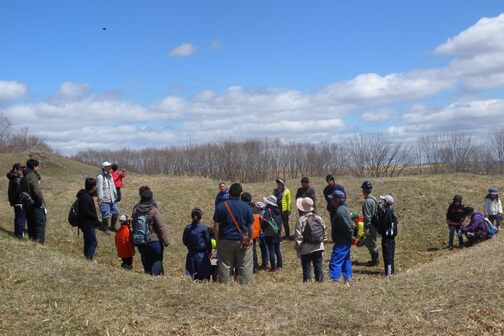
124, 243
118, 177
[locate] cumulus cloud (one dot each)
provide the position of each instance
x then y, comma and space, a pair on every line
183, 50
381, 114
11, 90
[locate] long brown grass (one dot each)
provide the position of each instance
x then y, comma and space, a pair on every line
52, 290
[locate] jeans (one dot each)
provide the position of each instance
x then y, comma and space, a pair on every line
197, 265
231, 255
340, 262
264, 251
306, 261
19, 220
388, 250
152, 257
90, 242
452, 229
275, 254
36, 220
285, 222
109, 208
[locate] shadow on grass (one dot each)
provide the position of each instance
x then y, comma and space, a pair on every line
366, 272
8, 232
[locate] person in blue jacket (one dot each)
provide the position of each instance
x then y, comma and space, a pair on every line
222, 195
196, 238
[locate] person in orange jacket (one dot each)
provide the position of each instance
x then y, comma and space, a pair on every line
124, 243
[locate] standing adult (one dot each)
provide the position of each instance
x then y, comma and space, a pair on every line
222, 195
283, 197
388, 231
331, 187
272, 238
493, 207
342, 235
15, 177
306, 191
233, 221
88, 219
107, 198
118, 176
369, 210
151, 251
36, 213
309, 249
199, 246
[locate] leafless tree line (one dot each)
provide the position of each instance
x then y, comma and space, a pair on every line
13, 141
363, 155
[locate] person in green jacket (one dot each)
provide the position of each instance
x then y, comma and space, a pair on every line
36, 212
369, 210
283, 197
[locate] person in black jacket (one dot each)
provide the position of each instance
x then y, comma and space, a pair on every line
306, 191
388, 231
88, 219
272, 238
15, 177
455, 218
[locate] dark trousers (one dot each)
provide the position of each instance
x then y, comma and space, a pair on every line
275, 254
307, 260
197, 265
388, 250
152, 257
127, 263
264, 253
36, 220
285, 222
90, 242
118, 195
19, 220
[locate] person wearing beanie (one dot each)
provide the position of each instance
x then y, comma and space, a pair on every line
454, 218
151, 251
476, 230
283, 197
342, 232
107, 198
124, 243
388, 231
199, 246
370, 210
493, 207
15, 177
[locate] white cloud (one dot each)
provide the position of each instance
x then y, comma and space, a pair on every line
183, 50
11, 90
382, 114
70, 91
216, 45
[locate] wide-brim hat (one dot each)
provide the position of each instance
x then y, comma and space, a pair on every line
271, 200
304, 204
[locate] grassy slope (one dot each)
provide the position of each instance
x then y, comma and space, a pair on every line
51, 289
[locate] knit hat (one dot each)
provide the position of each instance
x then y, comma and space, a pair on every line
457, 198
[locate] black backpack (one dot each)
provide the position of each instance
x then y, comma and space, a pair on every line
73, 215
314, 230
376, 218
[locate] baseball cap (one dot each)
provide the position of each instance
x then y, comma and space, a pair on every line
337, 194
106, 164
388, 198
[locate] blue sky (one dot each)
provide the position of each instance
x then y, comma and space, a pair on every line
345, 63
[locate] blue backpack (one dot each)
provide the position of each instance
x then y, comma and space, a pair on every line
490, 228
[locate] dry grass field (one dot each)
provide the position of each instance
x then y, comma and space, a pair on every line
53, 290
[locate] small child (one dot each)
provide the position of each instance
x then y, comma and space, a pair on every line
124, 243
493, 207
213, 256
455, 218
197, 240
359, 229
388, 231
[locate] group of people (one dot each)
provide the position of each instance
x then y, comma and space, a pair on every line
481, 225
242, 227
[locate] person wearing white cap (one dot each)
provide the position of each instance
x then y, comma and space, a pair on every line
388, 231
493, 207
309, 237
107, 198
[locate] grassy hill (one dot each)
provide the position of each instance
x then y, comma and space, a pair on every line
51, 289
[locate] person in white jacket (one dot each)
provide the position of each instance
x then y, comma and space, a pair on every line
107, 198
311, 233
493, 207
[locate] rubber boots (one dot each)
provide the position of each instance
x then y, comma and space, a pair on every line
374, 259
113, 223
104, 226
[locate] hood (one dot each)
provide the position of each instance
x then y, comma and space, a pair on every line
11, 175
81, 192
27, 171
145, 207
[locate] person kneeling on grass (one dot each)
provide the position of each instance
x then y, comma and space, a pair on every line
388, 231
476, 230
152, 238
342, 236
197, 240
309, 237
455, 218
124, 243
